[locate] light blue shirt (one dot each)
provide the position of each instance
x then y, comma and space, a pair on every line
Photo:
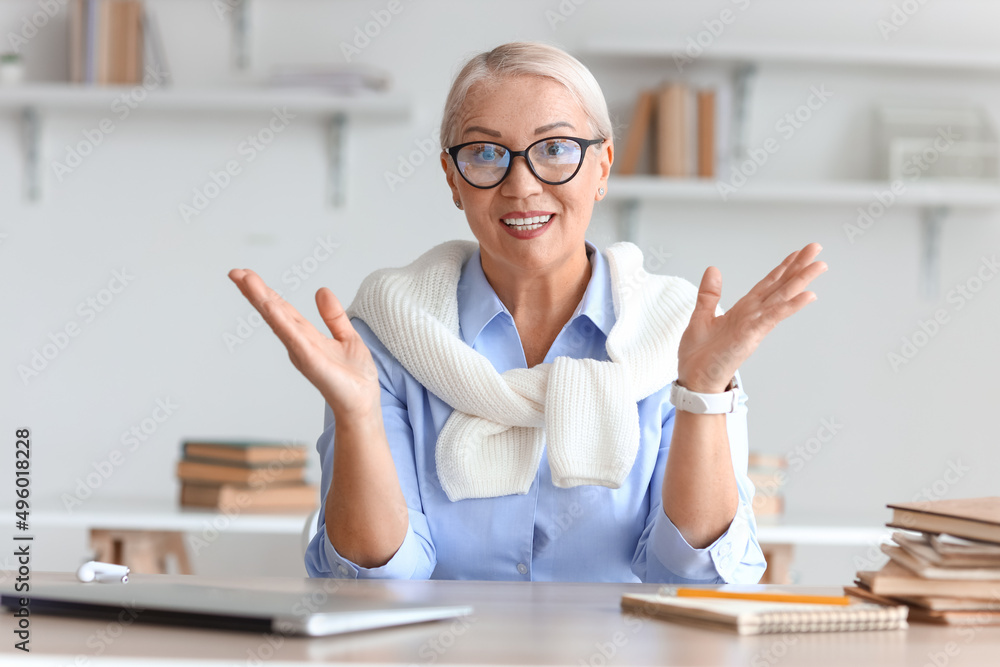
584, 533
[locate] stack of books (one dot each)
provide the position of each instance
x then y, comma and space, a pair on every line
767, 472
247, 476
944, 562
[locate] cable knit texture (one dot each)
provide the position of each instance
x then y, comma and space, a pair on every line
585, 409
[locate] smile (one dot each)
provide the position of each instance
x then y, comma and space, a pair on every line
527, 224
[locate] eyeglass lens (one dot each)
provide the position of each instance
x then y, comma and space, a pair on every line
553, 160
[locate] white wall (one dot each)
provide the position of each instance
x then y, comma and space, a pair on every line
162, 337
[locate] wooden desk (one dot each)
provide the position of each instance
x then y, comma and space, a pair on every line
514, 623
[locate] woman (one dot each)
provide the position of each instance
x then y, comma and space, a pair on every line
507, 409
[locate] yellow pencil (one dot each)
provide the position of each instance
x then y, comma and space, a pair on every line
765, 597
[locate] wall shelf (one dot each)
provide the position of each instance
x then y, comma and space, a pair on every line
335, 111
803, 54
934, 201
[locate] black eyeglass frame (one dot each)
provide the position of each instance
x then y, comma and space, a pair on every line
583, 143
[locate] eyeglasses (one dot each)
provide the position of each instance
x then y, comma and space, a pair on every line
553, 160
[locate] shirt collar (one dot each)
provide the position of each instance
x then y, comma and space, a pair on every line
478, 304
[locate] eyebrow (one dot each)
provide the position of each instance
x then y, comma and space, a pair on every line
540, 130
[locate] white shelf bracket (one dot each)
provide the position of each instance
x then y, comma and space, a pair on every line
628, 220
336, 127
241, 34
931, 220
31, 138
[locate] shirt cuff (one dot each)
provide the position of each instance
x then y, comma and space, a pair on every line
718, 560
402, 565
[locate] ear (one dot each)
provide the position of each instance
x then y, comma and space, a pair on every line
607, 158
451, 176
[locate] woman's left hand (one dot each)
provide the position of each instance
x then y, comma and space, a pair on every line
714, 347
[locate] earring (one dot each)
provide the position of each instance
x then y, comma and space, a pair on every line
458, 204
600, 191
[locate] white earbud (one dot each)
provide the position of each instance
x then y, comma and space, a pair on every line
102, 573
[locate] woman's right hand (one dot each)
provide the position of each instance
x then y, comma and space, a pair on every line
340, 367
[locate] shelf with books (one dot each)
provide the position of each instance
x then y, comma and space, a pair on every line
934, 197
334, 111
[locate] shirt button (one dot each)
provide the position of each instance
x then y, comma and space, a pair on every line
522, 568
342, 569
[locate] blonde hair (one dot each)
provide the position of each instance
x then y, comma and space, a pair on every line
527, 59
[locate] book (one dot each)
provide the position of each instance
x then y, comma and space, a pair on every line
973, 518
672, 128
752, 618
638, 133
895, 580
705, 101
245, 452
921, 546
928, 571
276, 497
950, 545
976, 616
255, 476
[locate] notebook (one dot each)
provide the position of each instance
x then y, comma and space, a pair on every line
294, 613
749, 617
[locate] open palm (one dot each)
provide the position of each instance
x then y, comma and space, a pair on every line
340, 367
714, 346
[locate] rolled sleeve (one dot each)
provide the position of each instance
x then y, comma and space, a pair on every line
409, 561
665, 556
733, 558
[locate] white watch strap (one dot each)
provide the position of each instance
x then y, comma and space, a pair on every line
704, 404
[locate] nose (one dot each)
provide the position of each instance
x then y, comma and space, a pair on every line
520, 182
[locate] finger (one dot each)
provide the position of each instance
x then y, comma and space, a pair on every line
334, 315
788, 308
793, 284
280, 315
795, 263
763, 287
709, 293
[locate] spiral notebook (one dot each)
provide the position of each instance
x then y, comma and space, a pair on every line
748, 617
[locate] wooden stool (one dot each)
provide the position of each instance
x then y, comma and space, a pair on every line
143, 551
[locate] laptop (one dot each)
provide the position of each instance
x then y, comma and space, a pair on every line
312, 613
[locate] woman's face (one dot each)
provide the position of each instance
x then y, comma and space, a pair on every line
517, 112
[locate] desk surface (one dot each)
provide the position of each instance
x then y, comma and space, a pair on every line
514, 623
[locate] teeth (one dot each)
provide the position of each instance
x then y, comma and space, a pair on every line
528, 223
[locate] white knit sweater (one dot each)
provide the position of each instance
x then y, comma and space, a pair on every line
586, 409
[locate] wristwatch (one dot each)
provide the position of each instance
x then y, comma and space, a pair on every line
705, 404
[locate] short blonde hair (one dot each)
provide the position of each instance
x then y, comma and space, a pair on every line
527, 59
